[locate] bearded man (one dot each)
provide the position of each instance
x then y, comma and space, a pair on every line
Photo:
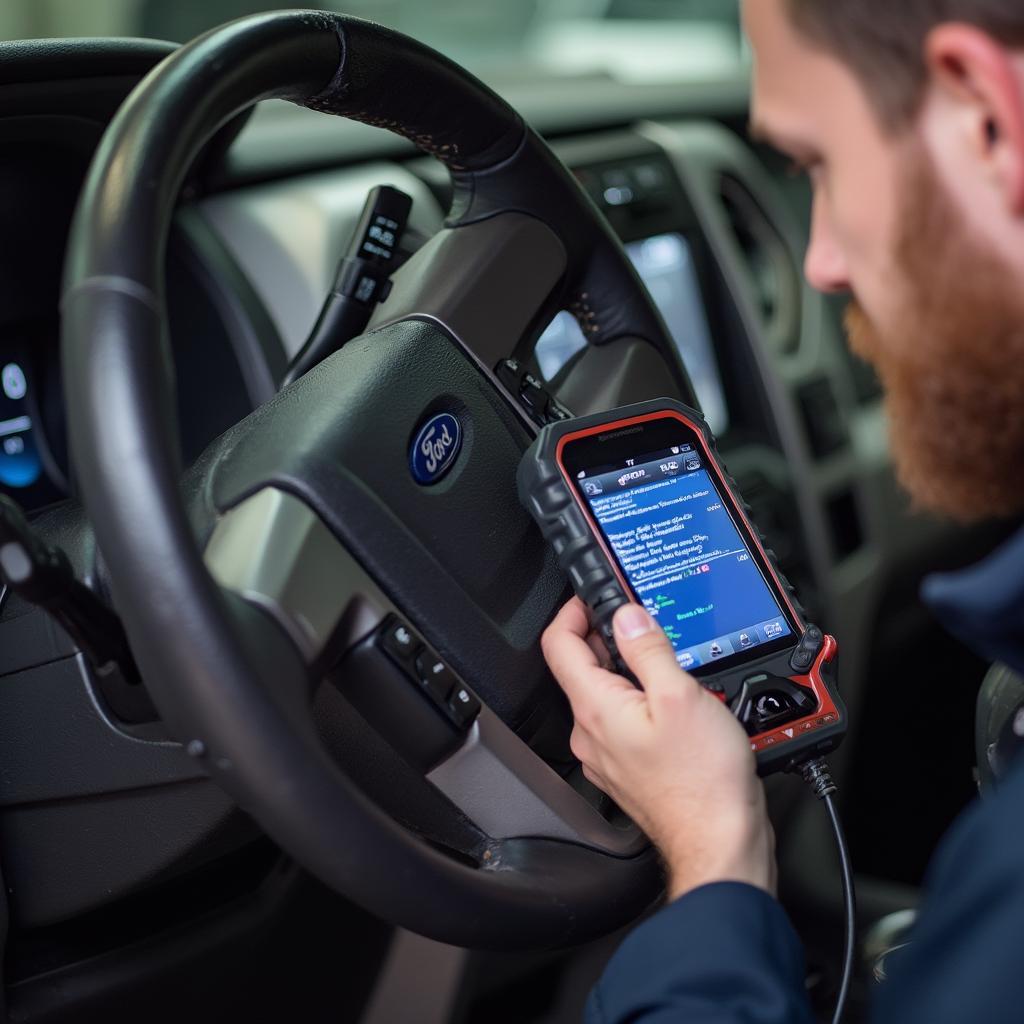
908, 116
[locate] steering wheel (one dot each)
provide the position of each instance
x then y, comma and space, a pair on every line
259, 588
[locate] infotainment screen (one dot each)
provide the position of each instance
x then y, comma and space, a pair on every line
665, 264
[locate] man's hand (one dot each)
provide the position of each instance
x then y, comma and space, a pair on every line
671, 755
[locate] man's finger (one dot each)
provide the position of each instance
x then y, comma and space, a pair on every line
595, 779
596, 643
646, 649
575, 664
564, 642
573, 616
581, 745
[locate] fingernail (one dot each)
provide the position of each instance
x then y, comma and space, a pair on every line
632, 621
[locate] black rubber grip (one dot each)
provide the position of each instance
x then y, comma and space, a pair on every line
547, 498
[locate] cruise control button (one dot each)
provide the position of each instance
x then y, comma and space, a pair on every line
533, 395
509, 372
400, 641
435, 676
463, 707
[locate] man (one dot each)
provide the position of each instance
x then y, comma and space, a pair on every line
908, 115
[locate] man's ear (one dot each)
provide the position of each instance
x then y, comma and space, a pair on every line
984, 81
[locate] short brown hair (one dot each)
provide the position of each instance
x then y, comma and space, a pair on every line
882, 41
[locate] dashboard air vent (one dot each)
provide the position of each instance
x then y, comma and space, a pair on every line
773, 273
823, 417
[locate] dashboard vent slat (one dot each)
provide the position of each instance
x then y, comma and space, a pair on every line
773, 273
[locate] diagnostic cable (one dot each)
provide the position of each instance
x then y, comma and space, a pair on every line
817, 775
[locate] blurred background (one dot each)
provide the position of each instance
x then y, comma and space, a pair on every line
639, 41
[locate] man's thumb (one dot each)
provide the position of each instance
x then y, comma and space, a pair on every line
646, 650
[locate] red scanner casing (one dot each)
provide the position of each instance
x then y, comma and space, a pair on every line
816, 721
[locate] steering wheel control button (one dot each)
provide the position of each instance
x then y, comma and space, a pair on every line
435, 676
401, 643
557, 413
509, 373
388, 695
463, 707
534, 398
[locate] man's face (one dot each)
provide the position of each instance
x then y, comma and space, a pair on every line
935, 308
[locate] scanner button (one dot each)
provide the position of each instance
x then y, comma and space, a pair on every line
807, 650
803, 658
771, 704
435, 676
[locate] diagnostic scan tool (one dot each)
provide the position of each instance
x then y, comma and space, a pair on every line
638, 507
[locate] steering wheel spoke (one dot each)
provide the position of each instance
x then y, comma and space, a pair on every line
487, 283
273, 551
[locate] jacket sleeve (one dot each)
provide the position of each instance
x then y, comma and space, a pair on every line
963, 960
722, 954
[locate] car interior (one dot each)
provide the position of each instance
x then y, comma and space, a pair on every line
254, 810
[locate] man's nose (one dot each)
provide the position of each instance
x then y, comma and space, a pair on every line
824, 264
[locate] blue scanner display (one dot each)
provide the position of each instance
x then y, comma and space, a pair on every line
683, 556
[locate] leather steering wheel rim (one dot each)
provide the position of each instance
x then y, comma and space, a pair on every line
532, 893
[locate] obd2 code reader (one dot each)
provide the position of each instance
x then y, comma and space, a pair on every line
638, 507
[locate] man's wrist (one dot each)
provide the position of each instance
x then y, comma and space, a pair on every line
747, 859
680, 883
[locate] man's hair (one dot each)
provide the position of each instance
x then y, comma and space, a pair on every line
882, 41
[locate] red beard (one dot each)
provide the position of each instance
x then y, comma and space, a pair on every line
952, 365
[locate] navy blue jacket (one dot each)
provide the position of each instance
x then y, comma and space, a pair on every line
727, 953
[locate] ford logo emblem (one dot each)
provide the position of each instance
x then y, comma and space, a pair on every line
436, 448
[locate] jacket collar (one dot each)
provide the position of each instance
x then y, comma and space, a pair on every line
984, 604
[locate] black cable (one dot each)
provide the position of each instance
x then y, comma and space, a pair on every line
818, 777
